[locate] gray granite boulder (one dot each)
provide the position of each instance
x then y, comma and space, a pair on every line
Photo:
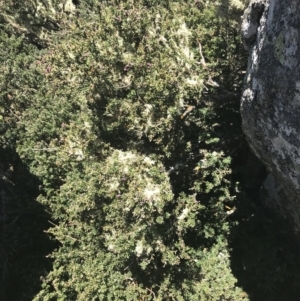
270, 104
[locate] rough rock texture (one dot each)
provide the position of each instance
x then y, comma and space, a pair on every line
270, 104
251, 22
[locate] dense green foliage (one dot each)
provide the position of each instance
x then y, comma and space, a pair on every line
116, 110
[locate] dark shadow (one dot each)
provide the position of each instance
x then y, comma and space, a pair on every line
23, 221
264, 258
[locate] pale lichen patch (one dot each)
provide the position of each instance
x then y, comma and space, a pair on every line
184, 214
151, 191
139, 248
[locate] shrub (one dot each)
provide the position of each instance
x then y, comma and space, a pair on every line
115, 117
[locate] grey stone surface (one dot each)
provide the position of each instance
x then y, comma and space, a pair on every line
270, 104
251, 21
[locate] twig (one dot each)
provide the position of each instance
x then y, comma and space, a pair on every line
187, 111
45, 149
52, 223
202, 57
64, 234
16, 26
18, 117
210, 81
151, 292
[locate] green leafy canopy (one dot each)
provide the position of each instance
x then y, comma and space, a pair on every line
111, 116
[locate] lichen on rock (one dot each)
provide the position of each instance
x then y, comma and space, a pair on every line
270, 104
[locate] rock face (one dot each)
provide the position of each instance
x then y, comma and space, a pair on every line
270, 104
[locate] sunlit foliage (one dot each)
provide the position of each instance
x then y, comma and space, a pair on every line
117, 115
